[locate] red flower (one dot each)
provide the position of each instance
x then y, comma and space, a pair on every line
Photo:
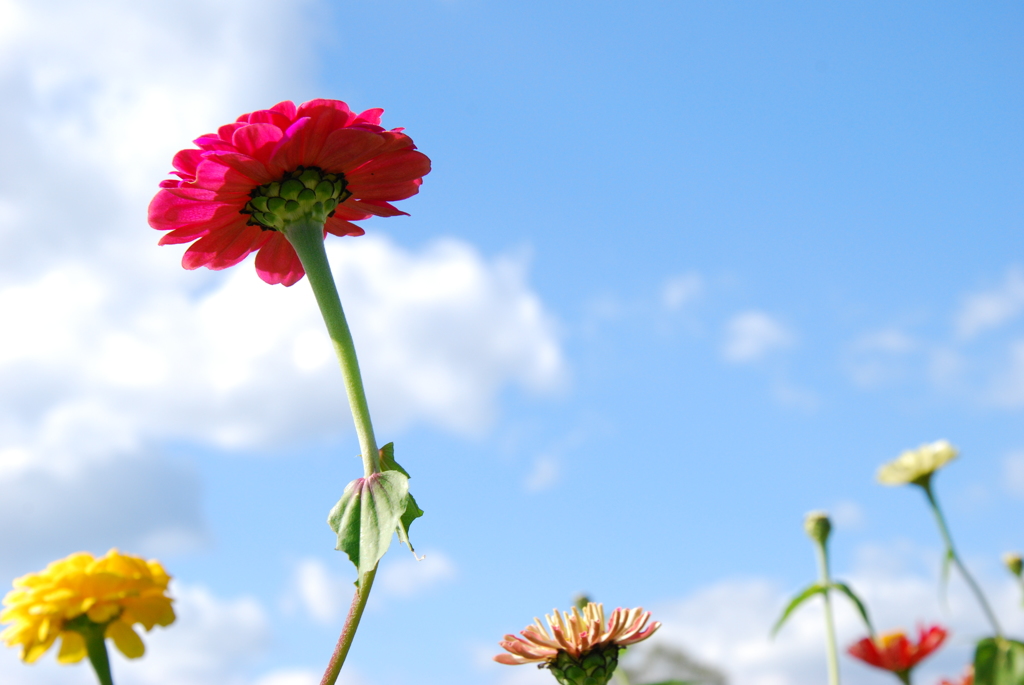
894, 652
234, 193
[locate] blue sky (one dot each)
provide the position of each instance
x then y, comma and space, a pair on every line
681, 273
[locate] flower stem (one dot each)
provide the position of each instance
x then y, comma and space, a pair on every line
307, 237
96, 648
348, 631
955, 558
825, 580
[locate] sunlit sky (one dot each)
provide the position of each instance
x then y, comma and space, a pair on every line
681, 273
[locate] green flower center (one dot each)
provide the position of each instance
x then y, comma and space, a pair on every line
592, 668
306, 193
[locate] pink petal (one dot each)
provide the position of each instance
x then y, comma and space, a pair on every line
371, 116
248, 240
340, 227
257, 140
390, 192
306, 108
206, 249
375, 207
269, 116
277, 262
348, 212
286, 108
393, 167
224, 180
186, 161
244, 164
168, 211
346, 148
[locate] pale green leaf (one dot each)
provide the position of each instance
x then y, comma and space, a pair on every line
807, 593
998, 661
368, 513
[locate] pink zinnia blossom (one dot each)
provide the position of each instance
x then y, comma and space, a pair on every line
210, 200
576, 634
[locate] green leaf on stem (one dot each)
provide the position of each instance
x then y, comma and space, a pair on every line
412, 510
998, 661
863, 610
807, 593
387, 460
369, 512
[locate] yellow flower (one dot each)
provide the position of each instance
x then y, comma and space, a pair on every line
115, 592
917, 466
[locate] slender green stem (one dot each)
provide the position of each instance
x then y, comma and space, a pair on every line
830, 632
904, 676
97, 650
95, 647
308, 240
951, 550
348, 631
307, 237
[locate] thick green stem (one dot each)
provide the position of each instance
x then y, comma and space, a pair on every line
348, 631
308, 240
951, 551
307, 237
904, 677
825, 580
95, 647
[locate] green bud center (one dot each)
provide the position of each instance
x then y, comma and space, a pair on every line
307, 193
592, 668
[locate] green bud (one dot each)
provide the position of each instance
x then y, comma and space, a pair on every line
818, 526
1013, 563
592, 668
306, 193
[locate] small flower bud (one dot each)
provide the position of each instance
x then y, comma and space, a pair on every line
818, 526
1014, 563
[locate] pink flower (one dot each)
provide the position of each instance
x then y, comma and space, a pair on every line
576, 635
344, 163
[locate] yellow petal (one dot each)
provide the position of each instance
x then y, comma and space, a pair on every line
126, 639
72, 648
101, 613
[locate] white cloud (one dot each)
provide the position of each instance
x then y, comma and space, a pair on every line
991, 309
1008, 385
1013, 473
751, 336
323, 595
727, 625
681, 290
324, 591
848, 515
440, 333
544, 474
880, 357
402, 575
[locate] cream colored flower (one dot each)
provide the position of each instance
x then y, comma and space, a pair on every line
576, 634
916, 466
114, 592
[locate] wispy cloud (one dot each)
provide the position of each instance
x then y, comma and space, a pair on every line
753, 335
681, 290
988, 310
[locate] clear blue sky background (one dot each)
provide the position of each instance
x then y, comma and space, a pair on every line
852, 172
